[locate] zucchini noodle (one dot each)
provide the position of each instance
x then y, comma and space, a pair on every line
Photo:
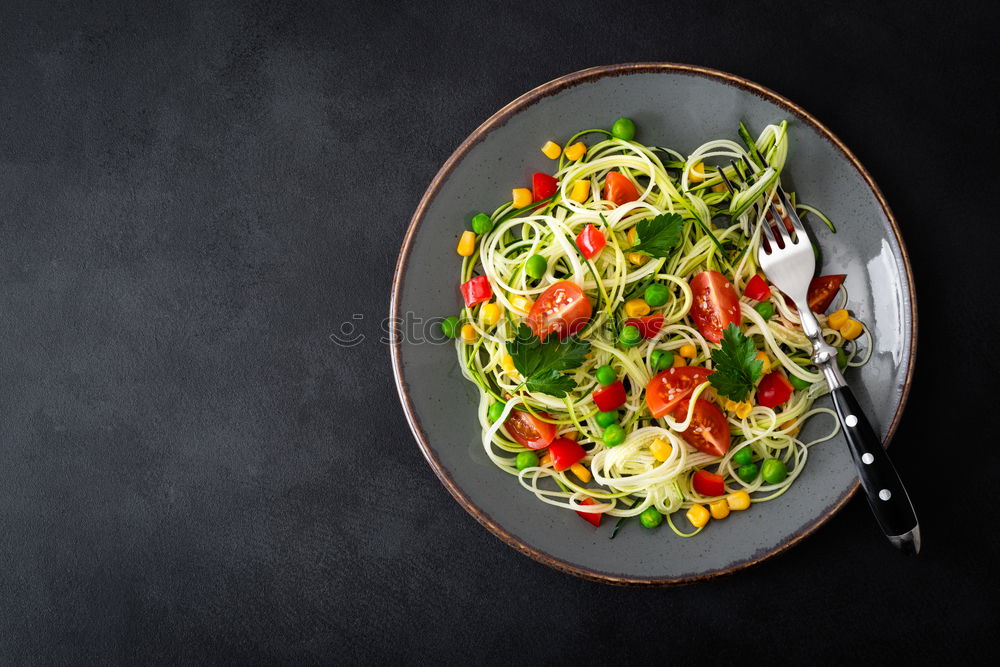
720, 231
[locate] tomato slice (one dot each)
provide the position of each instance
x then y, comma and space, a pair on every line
708, 431
757, 289
648, 325
670, 387
708, 483
716, 304
611, 397
476, 290
591, 517
822, 291
565, 452
773, 390
590, 241
542, 186
562, 309
618, 189
528, 430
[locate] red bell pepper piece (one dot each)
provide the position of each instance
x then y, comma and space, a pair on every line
648, 325
590, 241
564, 453
611, 397
591, 517
708, 483
542, 186
773, 390
757, 289
476, 290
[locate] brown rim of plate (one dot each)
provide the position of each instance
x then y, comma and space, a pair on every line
499, 119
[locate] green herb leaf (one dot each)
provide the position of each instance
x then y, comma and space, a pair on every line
657, 236
542, 362
736, 369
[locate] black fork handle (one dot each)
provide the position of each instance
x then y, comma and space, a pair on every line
885, 491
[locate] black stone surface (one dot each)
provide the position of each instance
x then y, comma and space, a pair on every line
195, 196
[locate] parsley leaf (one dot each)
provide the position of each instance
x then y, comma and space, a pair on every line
657, 236
542, 362
736, 369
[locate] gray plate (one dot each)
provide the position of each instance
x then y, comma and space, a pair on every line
679, 106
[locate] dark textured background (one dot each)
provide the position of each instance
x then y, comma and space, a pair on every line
194, 197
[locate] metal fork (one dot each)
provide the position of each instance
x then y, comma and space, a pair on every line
789, 263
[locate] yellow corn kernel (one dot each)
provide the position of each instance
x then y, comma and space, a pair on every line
467, 244
491, 313
738, 500
546, 460
697, 173
743, 409
551, 150
522, 303
765, 361
521, 197
580, 191
571, 435
582, 473
636, 258
720, 187
794, 427
679, 361
661, 449
731, 405
576, 151
697, 515
719, 508
508, 363
838, 318
636, 308
851, 330
468, 333
688, 351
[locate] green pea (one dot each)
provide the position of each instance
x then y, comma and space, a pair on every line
606, 375
449, 327
651, 517
661, 360
605, 419
526, 460
656, 295
481, 223
765, 309
748, 472
630, 336
624, 128
535, 266
841, 358
614, 435
774, 471
496, 410
742, 457
798, 382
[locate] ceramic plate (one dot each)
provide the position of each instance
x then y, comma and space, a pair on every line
680, 106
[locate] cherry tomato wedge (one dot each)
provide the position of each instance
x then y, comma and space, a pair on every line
670, 387
773, 390
564, 453
562, 309
590, 241
716, 304
822, 291
618, 189
528, 430
542, 186
476, 290
611, 397
591, 517
708, 483
648, 325
757, 289
708, 431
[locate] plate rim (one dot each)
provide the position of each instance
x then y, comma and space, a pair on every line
499, 119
